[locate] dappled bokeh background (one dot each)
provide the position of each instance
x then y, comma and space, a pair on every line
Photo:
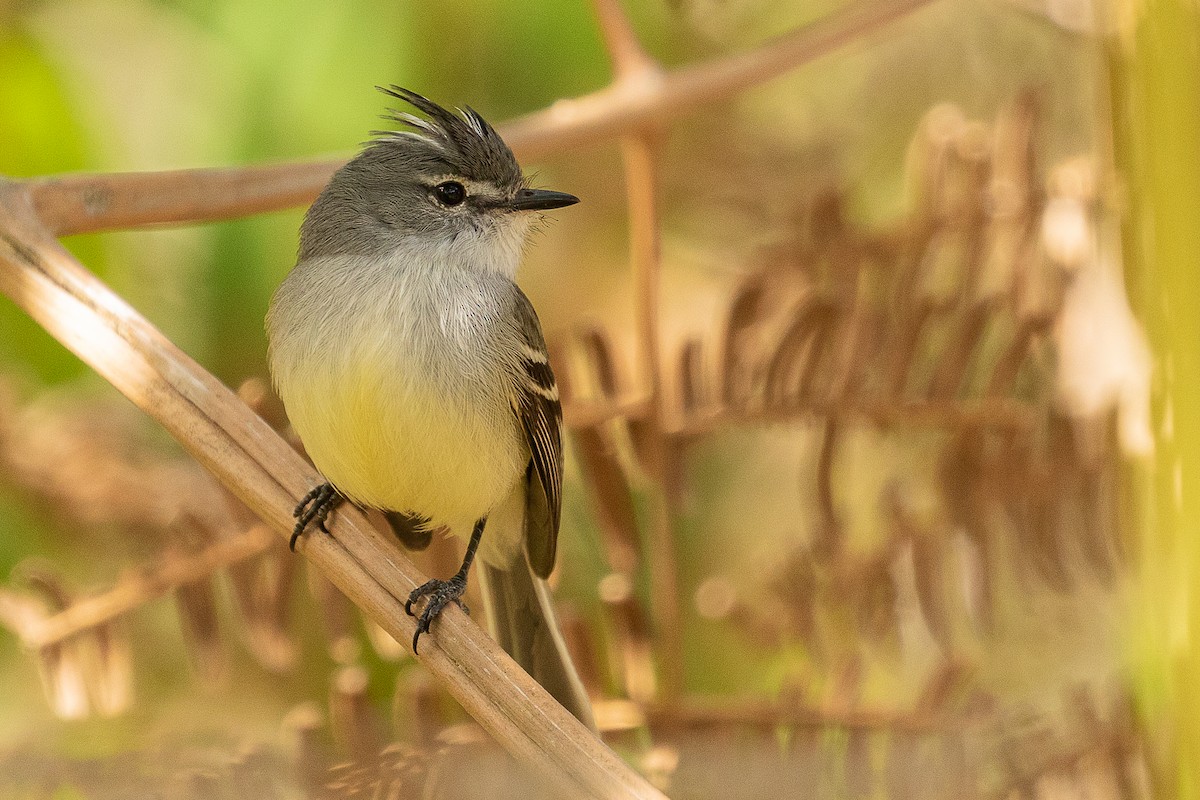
906, 441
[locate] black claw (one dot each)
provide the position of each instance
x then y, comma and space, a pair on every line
314, 507
439, 594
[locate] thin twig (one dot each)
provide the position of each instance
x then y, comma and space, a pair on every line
630, 106
81, 203
630, 61
135, 591
247, 456
998, 413
756, 712
583, 414
71, 204
645, 252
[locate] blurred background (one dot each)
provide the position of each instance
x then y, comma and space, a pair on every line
907, 508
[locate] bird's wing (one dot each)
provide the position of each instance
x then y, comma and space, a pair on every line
536, 404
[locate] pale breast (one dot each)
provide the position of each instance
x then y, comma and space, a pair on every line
394, 389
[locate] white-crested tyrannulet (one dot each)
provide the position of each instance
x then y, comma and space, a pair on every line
415, 372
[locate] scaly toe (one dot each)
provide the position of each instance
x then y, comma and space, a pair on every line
439, 594
314, 507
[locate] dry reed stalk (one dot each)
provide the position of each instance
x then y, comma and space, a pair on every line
85, 674
636, 72
305, 726
356, 726
638, 153
197, 603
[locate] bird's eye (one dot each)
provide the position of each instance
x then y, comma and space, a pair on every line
450, 193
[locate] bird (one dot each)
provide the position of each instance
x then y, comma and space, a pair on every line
416, 374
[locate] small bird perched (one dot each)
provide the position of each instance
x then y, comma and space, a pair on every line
415, 371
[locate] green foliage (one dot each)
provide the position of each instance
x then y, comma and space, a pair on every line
1156, 69
40, 132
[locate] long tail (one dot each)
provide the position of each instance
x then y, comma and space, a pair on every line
522, 619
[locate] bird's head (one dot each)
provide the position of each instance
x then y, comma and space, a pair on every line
448, 182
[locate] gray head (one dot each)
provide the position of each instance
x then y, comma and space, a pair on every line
449, 183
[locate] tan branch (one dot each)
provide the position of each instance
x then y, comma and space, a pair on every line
725, 713
640, 157
631, 105
629, 60
137, 590
581, 414
247, 456
81, 203
997, 413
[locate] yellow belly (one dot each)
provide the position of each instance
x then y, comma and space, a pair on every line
387, 369
392, 443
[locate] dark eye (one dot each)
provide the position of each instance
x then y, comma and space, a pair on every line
450, 193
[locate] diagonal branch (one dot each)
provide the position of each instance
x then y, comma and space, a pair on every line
135, 590
248, 457
82, 203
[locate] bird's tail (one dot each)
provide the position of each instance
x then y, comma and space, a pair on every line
522, 619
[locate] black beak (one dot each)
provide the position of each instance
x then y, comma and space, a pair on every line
541, 200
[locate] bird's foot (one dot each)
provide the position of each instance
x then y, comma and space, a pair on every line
438, 594
314, 507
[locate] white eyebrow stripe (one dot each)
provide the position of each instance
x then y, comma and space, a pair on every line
474, 188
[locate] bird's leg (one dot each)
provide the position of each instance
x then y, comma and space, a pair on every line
314, 506
441, 593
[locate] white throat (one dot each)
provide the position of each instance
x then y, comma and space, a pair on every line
493, 247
